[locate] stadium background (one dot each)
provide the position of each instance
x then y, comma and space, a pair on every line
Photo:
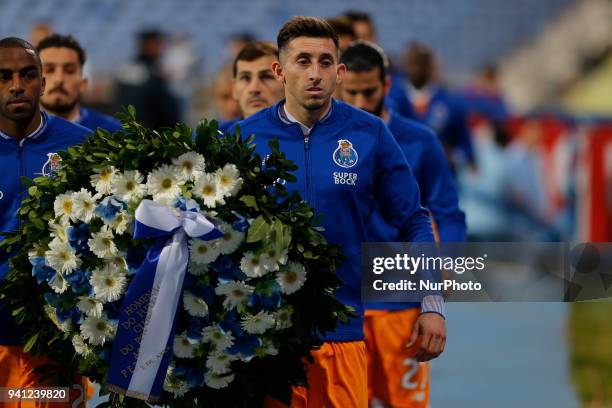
554, 72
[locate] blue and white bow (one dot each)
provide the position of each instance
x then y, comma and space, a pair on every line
143, 343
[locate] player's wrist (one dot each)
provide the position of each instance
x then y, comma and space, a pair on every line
433, 304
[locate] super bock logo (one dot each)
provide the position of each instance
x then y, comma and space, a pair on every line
345, 156
52, 165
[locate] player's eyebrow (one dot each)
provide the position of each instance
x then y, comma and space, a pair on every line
303, 55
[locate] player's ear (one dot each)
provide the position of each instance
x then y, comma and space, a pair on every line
43, 83
340, 73
277, 70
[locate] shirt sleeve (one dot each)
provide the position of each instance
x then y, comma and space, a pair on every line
397, 192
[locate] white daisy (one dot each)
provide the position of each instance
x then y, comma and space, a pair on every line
172, 384
194, 305
84, 205
90, 306
190, 165
59, 230
37, 251
207, 189
121, 222
257, 324
65, 327
96, 330
235, 293
118, 262
102, 180
80, 346
283, 318
108, 283
252, 265
267, 349
231, 239
164, 183
102, 244
219, 363
63, 206
228, 179
62, 257
197, 269
183, 346
292, 278
203, 252
58, 283
218, 381
216, 336
128, 186
272, 258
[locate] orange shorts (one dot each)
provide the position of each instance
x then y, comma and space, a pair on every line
394, 376
17, 371
337, 379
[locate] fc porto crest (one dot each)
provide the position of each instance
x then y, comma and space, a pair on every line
52, 165
345, 155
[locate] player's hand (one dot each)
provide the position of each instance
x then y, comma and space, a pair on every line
429, 334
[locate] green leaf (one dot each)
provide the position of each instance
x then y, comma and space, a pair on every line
30, 343
257, 230
250, 201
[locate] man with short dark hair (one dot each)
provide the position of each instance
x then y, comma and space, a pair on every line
388, 325
255, 86
421, 97
347, 163
144, 85
343, 26
362, 24
63, 60
29, 139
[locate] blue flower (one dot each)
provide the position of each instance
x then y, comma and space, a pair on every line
79, 281
41, 271
193, 376
262, 302
232, 323
245, 345
242, 224
74, 314
227, 269
196, 324
79, 234
109, 207
206, 292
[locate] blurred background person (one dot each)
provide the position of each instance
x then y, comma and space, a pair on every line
255, 86
40, 30
144, 85
225, 106
181, 65
63, 60
422, 97
363, 26
344, 28
395, 375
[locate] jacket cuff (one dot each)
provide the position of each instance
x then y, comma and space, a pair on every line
433, 304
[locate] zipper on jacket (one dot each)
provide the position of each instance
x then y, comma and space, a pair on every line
21, 174
307, 171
